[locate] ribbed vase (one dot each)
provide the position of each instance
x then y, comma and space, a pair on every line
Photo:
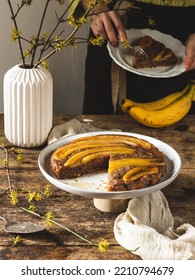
28, 105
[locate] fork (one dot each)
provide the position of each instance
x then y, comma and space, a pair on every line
137, 49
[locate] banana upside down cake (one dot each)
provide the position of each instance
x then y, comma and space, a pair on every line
157, 54
131, 163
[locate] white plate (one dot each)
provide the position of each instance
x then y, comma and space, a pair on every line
94, 185
123, 56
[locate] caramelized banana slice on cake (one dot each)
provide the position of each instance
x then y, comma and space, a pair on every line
137, 172
89, 154
124, 162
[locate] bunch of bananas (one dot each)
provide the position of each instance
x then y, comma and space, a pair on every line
163, 112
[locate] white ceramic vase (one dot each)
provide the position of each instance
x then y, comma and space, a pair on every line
28, 105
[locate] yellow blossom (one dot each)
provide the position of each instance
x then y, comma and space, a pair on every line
14, 197
44, 36
45, 64
77, 22
15, 34
99, 41
60, 45
49, 217
107, 2
19, 154
75, 46
47, 191
82, 20
27, 2
11, 150
103, 245
125, 43
32, 208
151, 21
71, 20
34, 196
56, 38
94, 3
33, 41
27, 53
16, 240
5, 162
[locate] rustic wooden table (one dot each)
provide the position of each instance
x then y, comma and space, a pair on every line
79, 213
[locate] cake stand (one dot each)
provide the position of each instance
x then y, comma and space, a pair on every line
94, 185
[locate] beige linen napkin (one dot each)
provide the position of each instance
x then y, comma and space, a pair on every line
148, 224
69, 128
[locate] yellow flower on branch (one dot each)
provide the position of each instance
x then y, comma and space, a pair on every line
15, 34
19, 154
77, 22
49, 218
107, 2
125, 43
16, 239
45, 64
94, 3
34, 196
32, 208
27, 2
5, 162
151, 21
99, 41
27, 53
60, 45
44, 37
47, 191
14, 197
56, 38
103, 245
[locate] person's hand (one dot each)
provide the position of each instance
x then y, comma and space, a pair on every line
189, 61
108, 24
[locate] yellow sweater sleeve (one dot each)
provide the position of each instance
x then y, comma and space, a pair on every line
184, 3
74, 4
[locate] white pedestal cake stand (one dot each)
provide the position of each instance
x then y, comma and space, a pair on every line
94, 185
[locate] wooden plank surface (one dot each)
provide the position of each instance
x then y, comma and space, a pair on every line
79, 213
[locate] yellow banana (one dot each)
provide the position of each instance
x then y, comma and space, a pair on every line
193, 95
166, 116
157, 104
192, 84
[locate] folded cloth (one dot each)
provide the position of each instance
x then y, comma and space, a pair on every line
147, 227
69, 128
